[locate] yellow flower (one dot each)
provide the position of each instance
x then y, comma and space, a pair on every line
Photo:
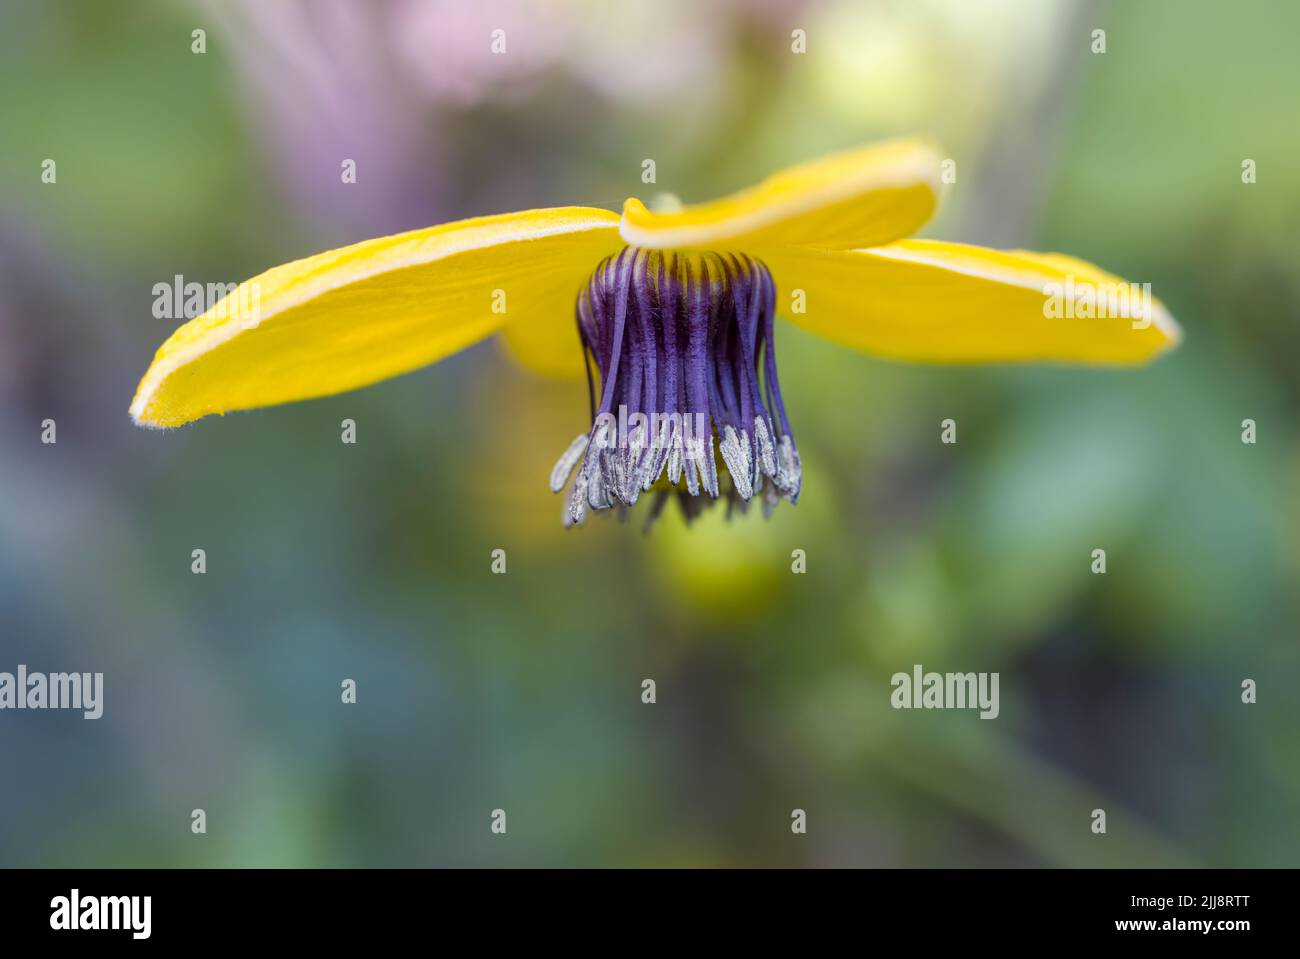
673, 311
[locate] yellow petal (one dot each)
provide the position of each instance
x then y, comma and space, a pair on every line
346, 318
856, 198
949, 302
549, 344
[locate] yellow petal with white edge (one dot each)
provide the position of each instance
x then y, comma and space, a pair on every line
350, 317
855, 198
952, 303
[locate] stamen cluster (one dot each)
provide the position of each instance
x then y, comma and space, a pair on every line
683, 350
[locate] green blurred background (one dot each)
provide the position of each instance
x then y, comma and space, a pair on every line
522, 691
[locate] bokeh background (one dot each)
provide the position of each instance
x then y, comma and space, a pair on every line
522, 691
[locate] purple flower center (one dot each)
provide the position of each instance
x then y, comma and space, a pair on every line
684, 354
